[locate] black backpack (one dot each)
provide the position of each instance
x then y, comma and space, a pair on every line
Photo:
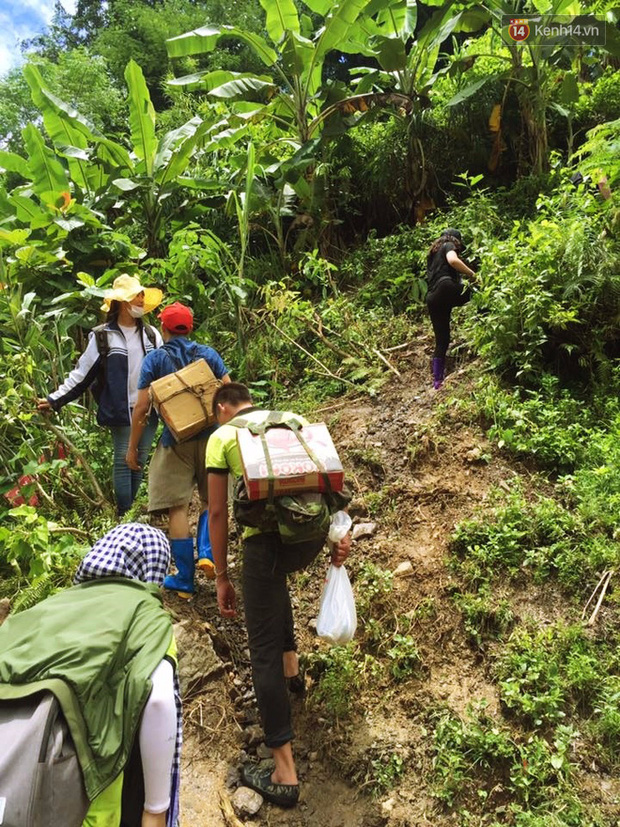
297, 518
103, 348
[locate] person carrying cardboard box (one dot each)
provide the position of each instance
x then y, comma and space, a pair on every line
268, 615
176, 467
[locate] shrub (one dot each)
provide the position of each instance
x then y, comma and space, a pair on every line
550, 292
544, 676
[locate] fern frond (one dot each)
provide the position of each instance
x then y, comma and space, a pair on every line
35, 592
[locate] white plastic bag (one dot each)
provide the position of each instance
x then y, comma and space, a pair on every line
337, 619
339, 526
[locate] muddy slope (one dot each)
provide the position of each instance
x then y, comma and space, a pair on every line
417, 471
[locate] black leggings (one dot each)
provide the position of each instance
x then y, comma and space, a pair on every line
269, 621
445, 295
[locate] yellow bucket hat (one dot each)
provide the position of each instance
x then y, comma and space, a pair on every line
126, 288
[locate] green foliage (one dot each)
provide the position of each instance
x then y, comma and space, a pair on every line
599, 156
339, 674
403, 656
466, 752
483, 615
600, 100
392, 267
31, 545
549, 424
605, 723
544, 676
539, 536
77, 76
550, 292
473, 755
595, 487
386, 772
373, 589
335, 335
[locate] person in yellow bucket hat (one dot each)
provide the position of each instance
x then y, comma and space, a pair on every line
127, 288
110, 367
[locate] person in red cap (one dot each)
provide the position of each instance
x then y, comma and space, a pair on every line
177, 467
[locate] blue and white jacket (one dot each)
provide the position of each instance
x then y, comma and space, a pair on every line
114, 400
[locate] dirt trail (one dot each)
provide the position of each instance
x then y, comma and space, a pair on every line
417, 479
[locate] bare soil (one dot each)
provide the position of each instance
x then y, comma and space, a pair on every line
429, 472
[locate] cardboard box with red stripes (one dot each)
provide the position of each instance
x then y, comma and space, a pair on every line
294, 471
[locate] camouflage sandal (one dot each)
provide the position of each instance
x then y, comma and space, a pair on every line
259, 779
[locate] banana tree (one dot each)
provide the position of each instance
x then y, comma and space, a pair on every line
293, 90
304, 106
406, 65
104, 178
532, 73
292, 94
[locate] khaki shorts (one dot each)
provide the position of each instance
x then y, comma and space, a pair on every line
174, 472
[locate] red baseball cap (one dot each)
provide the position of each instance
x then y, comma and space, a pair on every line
177, 318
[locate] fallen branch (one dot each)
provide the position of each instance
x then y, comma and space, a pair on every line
605, 580
44, 494
318, 331
227, 811
397, 347
68, 530
385, 361
593, 595
101, 499
340, 404
307, 352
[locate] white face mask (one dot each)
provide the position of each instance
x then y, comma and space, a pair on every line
135, 311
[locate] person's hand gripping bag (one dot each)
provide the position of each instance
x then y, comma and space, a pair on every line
337, 619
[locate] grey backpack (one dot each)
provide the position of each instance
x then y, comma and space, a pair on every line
40, 777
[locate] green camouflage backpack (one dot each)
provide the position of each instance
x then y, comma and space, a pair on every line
297, 518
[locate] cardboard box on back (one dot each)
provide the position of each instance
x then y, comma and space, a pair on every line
293, 470
184, 399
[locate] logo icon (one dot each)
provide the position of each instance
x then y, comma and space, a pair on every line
519, 30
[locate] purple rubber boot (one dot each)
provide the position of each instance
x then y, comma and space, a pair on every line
439, 366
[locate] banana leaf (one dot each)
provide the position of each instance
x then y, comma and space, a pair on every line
64, 125
206, 39
176, 150
248, 88
12, 162
141, 116
281, 17
48, 174
338, 24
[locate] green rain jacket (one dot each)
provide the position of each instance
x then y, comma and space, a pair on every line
94, 646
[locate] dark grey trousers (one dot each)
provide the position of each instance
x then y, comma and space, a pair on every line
269, 621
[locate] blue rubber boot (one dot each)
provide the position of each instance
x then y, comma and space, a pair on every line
183, 555
203, 544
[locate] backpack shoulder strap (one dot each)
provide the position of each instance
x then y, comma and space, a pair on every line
244, 422
239, 422
174, 359
101, 338
275, 419
150, 334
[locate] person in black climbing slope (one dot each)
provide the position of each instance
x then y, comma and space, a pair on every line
446, 289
